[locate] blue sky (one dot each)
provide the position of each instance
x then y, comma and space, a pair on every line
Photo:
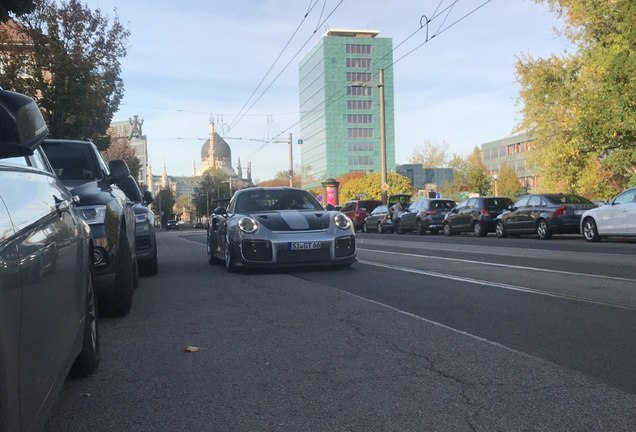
192, 60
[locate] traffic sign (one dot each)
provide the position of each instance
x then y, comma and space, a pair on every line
385, 187
319, 198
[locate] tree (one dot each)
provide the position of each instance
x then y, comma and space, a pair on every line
508, 183
213, 186
71, 67
430, 155
164, 204
16, 7
478, 181
581, 106
120, 149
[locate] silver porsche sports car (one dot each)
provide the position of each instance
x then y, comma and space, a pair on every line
279, 227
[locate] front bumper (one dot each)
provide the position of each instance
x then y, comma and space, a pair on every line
257, 253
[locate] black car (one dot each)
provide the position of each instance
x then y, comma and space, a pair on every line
105, 207
476, 215
379, 220
423, 215
172, 224
145, 236
543, 215
48, 324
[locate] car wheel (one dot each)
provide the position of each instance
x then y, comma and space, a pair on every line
420, 228
229, 257
500, 231
590, 230
543, 232
119, 302
87, 360
399, 228
135, 272
447, 229
380, 230
365, 228
150, 267
478, 230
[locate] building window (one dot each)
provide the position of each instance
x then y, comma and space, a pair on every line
361, 160
356, 105
363, 146
358, 49
360, 118
359, 76
360, 132
358, 63
359, 91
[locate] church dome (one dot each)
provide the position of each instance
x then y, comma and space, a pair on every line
222, 150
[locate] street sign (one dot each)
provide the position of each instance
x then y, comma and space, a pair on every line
319, 198
385, 187
438, 195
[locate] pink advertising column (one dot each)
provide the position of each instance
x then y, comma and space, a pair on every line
331, 191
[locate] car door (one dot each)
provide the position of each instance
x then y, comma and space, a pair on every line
454, 217
529, 215
49, 246
409, 214
513, 219
620, 216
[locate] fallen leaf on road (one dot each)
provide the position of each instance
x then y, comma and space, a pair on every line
191, 349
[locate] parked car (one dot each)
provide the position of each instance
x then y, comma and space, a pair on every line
543, 215
476, 215
279, 227
617, 218
105, 207
199, 225
423, 215
145, 235
49, 321
379, 220
172, 224
358, 210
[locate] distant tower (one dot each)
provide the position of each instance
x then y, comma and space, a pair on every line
164, 177
194, 168
149, 184
238, 169
249, 172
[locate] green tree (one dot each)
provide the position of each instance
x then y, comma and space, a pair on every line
477, 179
508, 183
213, 187
430, 155
163, 204
71, 67
120, 149
581, 105
15, 7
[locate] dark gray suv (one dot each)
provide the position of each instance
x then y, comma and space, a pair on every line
423, 215
105, 207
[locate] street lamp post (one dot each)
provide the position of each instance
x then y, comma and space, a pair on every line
291, 159
383, 171
495, 178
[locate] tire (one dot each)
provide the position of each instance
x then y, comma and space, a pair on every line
399, 229
87, 360
478, 229
380, 229
500, 230
119, 302
135, 272
419, 227
590, 230
150, 267
543, 231
229, 258
365, 228
448, 231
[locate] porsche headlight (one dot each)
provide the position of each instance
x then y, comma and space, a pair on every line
247, 225
342, 221
92, 214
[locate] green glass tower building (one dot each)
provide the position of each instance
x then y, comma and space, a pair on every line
340, 105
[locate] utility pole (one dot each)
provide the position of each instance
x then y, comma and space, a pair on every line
382, 137
291, 159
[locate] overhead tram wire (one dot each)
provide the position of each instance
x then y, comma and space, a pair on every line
238, 118
292, 59
422, 26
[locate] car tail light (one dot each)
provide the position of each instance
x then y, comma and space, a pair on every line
561, 210
387, 217
485, 212
430, 212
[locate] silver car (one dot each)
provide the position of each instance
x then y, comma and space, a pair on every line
617, 218
48, 324
279, 227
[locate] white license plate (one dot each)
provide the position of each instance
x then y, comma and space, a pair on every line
303, 245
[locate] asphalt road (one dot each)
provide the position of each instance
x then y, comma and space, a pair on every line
423, 334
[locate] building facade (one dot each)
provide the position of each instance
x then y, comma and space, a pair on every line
340, 105
131, 130
426, 179
512, 151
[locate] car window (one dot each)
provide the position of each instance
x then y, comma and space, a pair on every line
368, 205
628, 196
535, 201
568, 199
472, 203
72, 161
522, 202
497, 203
